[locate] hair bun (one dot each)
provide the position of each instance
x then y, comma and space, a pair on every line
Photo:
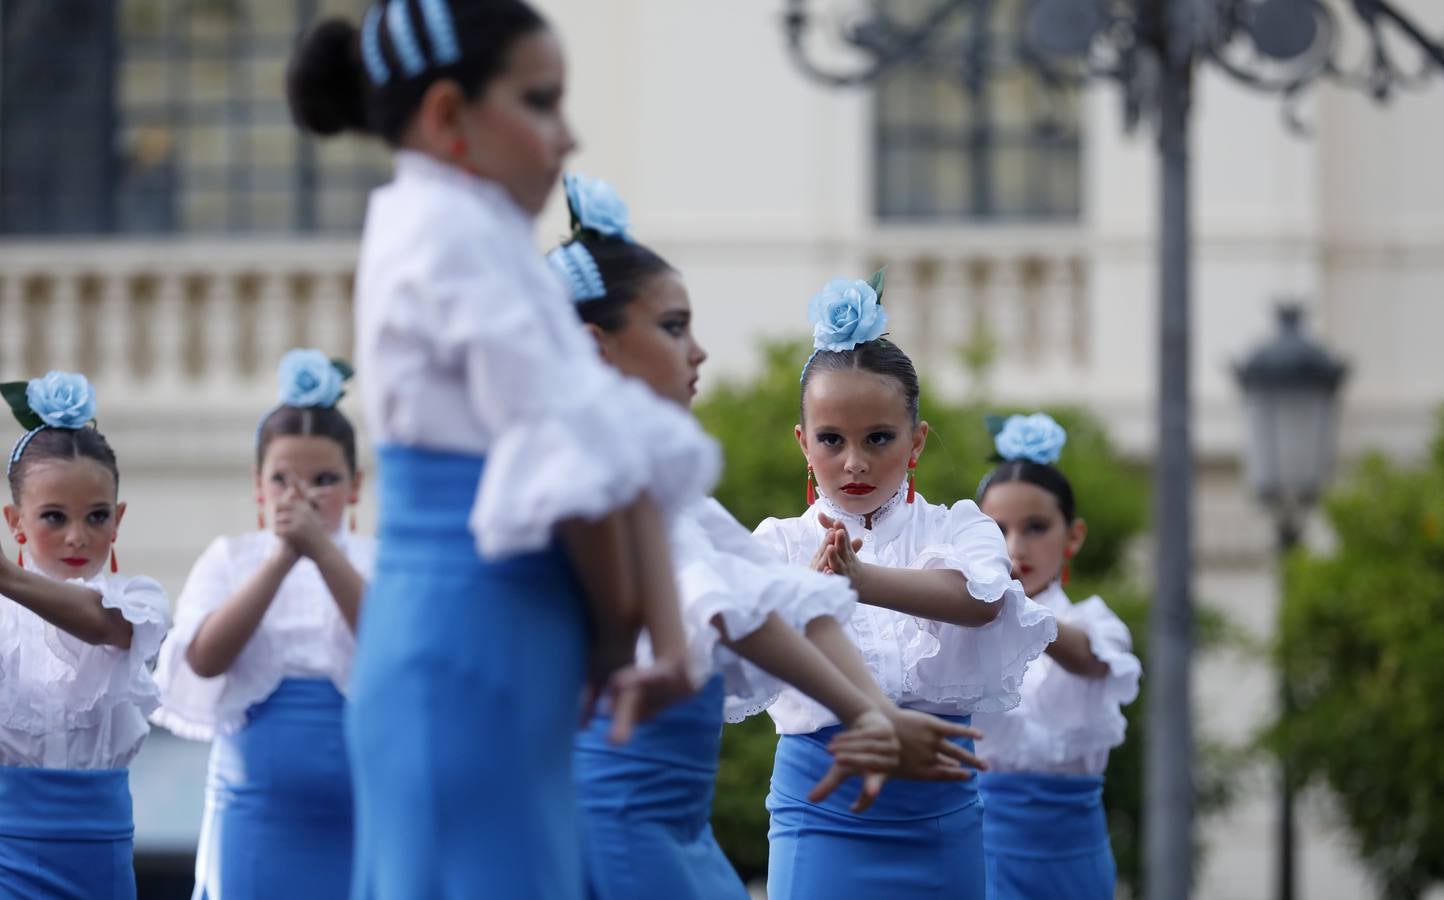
325, 81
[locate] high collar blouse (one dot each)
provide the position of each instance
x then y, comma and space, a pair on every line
921, 663
467, 343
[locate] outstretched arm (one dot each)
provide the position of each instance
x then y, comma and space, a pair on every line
73, 608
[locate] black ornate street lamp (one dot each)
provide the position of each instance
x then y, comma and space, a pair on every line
1290, 391
1150, 49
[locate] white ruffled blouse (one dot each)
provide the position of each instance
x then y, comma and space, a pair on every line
302, 635
1067, 724
726, 574
933, 666
66, 704
467, 343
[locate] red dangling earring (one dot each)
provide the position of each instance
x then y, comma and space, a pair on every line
353, 520
20, 554
261, 518
811, 488
114, 566
912, 480
1067, 566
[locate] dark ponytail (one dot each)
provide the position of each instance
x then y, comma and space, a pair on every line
342, 77
326, 82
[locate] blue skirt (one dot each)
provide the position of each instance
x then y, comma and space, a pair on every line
65, 834
921, 839
1046, 837
464, 701
277, 823
647, 807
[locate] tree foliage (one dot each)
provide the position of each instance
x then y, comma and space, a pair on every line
1365, 655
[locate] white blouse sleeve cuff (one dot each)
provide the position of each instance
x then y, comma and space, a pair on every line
981, 669
1087, 712
615, 441
107, 677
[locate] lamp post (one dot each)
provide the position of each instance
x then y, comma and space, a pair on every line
1150, 49
1290, 390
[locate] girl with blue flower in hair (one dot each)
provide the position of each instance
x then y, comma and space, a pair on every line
77, 640
1045, 835
524, 486
753, 623
943, 625
260, 656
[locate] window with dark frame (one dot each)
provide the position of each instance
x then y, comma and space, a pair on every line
184, 129
968, 132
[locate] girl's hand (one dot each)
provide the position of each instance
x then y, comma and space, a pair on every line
298, 524
640, 692
927, 754
612, 649
869, 747
838, 552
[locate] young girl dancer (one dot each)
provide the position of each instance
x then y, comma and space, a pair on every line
260, 655
76, 643
1044, 832
941, 622
646, 807
498, 429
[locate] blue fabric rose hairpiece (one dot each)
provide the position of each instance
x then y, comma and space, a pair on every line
845, 313
1036, 438
596, 206
597, 212
55, 400
308, 378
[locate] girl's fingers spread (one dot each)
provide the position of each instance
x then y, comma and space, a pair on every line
949, 749
957, 729
867, 762
871, 787
944, 773
626, 709
861, 743
829, 783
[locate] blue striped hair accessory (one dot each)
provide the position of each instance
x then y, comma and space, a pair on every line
20, 446
403, 39
371, 48
442, 31
579, 270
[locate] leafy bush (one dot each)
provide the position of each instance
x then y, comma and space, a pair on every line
1365, 656
765, 476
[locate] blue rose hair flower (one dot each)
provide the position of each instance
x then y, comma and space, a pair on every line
61, 399
845, 313
309, 378
596, 206
1036, 438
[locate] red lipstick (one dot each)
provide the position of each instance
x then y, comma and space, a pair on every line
857, 489
75, 562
